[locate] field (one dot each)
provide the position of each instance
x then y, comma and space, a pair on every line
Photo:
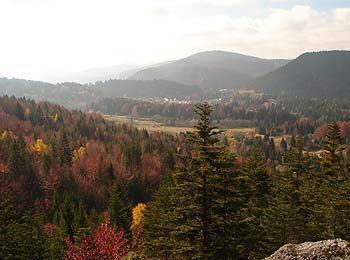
148, 124
153, 126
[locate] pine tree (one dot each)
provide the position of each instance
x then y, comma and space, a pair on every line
156, 231
255, 190
21, 237
65, 153
335, 186
199, 212
331, 158
283, 146
120, 209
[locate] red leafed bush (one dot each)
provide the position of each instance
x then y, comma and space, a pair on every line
106, 243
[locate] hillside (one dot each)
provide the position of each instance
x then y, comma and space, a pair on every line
145, 88
75, 95
92, 75
69, 168
316, 74
212, 70
101, 73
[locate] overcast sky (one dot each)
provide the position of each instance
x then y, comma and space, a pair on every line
42, 38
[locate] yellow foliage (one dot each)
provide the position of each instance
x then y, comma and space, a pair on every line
27, 113
79, 153
7, 134
137, 215
40, 147
55, 117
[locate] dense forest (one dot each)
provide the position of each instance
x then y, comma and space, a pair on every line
75, 186
270, 114
75, 95
61, 172
315, 74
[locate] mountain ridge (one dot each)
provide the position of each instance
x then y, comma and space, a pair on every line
212, 70
320, 74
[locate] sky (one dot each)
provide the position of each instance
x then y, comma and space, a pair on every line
41, 39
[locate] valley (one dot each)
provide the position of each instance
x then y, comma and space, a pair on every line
129, 158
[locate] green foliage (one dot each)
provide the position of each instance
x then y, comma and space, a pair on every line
255, 188
196, 210
335, 186
120, 208
21, 238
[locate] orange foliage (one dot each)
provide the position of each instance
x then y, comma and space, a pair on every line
137, 215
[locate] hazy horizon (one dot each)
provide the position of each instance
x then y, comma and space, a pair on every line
48, 39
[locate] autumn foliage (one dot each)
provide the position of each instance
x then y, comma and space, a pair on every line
105, 243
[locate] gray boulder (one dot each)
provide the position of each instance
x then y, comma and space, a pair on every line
336, 249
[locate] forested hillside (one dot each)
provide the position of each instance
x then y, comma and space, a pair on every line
61, 170
212, 207
75, 95
322, 74
212, 70
74, 186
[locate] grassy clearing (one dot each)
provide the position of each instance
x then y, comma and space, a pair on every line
148, 124
153, 126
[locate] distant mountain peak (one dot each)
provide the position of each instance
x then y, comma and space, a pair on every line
213, 69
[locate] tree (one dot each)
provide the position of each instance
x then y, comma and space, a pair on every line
65, 153
331, 158
200, 210
105, 243
21, 238
138, 216
119, 208
255, 186
283, 146
335, 186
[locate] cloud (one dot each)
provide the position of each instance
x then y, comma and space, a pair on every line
282, 33
58, 36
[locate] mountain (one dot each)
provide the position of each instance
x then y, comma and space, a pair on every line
315, 74
75, 95
212, 70
145, 89
101, 73
72, 95
94, 74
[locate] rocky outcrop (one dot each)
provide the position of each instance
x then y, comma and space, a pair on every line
336, 249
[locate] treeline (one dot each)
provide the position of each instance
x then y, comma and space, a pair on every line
212, 207
76, 96
63, 170
271, 115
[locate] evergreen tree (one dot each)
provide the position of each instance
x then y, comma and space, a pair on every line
18, 161
293, 142
120, 209
157, 228
255, 189
200, 210
65, 153
283, 146
335, 186
21, 237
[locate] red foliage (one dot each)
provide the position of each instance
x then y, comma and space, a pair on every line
151, 165
50, 229
105, 243
321, 131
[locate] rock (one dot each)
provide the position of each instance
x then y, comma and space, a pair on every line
336, 249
